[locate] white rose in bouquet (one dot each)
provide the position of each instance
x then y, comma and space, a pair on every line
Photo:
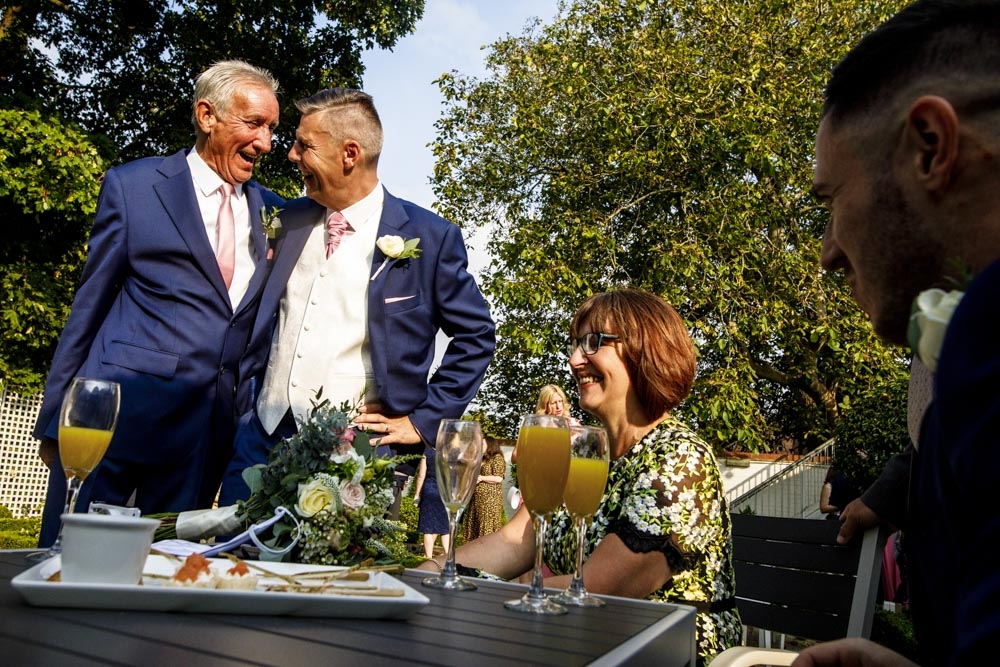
314, 497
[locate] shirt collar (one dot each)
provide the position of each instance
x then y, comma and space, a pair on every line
206, 181
362, 211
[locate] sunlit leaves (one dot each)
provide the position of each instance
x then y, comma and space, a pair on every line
49, 178
666, 145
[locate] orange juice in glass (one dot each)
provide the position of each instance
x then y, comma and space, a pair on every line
585, 486
543, 454
543, 459
588, 477
81, 449
87, 420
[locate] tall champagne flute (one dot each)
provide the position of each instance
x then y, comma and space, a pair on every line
543, 455
588, 475
458, 455
87, 421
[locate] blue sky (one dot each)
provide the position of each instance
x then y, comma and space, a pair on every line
450, 36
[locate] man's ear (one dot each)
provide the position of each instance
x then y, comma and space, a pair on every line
204, 113
352, 153
931, 137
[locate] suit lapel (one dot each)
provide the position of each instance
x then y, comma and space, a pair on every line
176, 193
254, 204
262, 268
393, 220
291, 241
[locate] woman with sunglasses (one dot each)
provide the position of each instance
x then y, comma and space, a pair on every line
662, 531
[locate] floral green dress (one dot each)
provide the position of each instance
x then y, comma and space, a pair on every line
665, 494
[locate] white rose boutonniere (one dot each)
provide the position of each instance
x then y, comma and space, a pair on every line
932, 310
394, 247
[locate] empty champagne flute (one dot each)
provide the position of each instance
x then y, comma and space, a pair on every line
458, 455
87, 421
588, 476
543, 455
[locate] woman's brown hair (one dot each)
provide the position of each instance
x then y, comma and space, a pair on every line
653, 343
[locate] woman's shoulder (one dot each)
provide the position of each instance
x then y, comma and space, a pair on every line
672, 433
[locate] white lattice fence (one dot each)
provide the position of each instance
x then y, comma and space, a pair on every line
23, 476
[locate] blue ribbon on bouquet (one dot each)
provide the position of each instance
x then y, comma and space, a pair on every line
250, 535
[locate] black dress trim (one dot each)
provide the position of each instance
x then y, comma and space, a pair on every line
642, 543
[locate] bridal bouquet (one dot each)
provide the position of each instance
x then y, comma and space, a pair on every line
324, 493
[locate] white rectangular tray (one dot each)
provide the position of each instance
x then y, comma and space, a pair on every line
152, 595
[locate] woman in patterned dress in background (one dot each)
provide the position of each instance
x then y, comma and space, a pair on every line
485, 512
662, 531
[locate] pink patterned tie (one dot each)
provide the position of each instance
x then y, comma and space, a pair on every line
225, 235
336, 225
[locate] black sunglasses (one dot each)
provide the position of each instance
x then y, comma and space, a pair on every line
590, 342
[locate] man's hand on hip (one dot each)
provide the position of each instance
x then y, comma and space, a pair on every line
386, 429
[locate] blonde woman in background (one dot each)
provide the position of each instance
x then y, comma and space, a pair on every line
552, 401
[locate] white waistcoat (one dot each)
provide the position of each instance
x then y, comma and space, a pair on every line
322, 337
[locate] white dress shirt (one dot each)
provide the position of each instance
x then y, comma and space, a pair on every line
206, 190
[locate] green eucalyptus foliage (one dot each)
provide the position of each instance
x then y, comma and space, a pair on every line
667, 145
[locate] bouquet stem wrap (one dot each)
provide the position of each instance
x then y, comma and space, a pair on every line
199, 524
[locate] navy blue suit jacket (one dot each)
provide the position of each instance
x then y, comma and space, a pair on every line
953, 540
402, 333
152, 312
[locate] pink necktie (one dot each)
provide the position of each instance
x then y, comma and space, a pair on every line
336, 225
225, 237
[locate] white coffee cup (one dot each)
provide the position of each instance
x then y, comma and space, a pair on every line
105, 549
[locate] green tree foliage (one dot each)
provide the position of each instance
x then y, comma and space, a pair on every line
49, 177
88, 84
871, 430
125, 69
667, 145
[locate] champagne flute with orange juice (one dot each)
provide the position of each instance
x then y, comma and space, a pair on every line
543, 457
87, 421
588, 475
